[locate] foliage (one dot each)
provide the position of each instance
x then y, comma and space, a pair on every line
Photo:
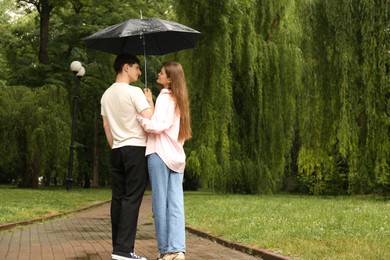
285, 94
289, 95
70, 22
243, 93
34, 133
345, 134
206, 100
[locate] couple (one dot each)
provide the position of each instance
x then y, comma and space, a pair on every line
127, 114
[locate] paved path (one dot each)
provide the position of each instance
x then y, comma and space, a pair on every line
87, 235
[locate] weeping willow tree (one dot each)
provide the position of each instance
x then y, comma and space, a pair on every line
344, 108
34, 133
210, 89
289, 92
319, 103
242, 79
266, 68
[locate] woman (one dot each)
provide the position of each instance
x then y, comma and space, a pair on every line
167, 130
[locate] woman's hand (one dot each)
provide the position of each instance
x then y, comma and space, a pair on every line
148, 94
147, 113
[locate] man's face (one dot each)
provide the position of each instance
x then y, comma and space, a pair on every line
133, 71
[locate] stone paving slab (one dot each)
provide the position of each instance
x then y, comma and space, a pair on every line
87, 235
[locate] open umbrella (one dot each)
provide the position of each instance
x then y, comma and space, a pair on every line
149, 36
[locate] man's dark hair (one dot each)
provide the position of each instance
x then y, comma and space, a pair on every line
123, 59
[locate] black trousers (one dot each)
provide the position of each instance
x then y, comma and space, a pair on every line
129, 180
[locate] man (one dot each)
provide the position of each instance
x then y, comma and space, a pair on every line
120, 105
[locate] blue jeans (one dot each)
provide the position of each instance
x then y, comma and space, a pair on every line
168, 206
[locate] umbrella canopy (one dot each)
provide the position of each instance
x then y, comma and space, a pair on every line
150, 36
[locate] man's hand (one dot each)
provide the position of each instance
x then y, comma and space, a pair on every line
107, 131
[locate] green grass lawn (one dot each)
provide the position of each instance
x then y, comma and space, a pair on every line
25, 204
302, 227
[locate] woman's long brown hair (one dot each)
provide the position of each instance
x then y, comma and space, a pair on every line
179, 93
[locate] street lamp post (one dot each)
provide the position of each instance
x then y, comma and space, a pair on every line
79, 71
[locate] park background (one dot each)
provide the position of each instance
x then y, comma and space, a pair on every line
286, 95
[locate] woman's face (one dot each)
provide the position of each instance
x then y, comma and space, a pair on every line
163, 78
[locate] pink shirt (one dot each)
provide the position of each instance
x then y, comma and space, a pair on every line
163, 132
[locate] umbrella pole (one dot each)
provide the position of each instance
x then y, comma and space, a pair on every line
146, 78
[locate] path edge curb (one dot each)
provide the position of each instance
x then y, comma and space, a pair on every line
11, 225
264, 254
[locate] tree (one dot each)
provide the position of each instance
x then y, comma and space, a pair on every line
291, 95
345, 136
242, 81
34, 133
44, 8
66, 45
285, 95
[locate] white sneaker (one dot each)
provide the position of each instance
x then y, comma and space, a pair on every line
123, 256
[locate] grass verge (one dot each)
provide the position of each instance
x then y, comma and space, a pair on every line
302, 227
26, 204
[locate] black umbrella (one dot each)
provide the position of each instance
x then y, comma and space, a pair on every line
150, 36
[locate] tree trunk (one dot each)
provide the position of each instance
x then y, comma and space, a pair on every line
95, 173
44, 9
30, 176
36, 168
